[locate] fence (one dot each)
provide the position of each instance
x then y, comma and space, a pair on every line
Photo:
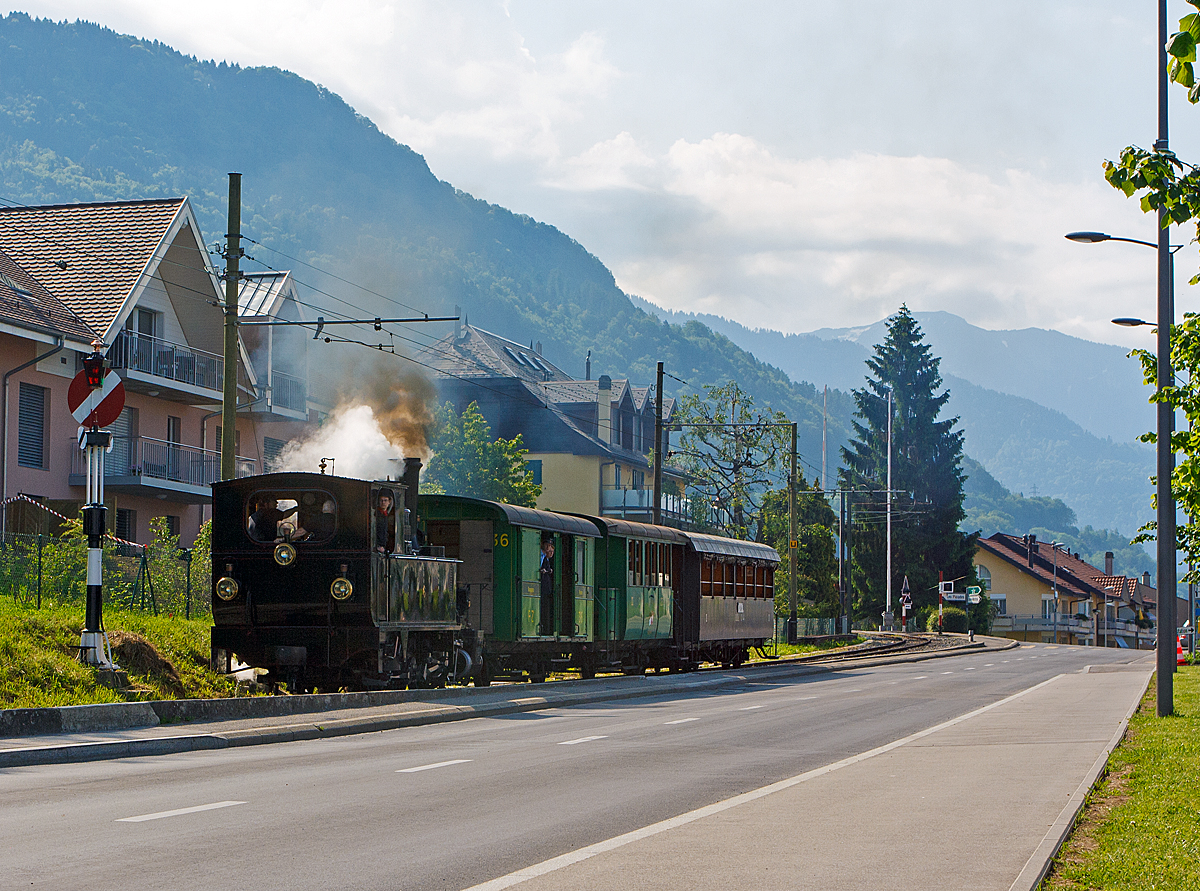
806, 627
161, 577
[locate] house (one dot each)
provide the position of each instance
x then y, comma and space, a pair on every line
589, 441
1045, 593
135, 276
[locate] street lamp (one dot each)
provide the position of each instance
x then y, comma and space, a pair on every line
1165, 651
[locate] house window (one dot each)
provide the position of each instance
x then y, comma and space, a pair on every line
1001, 605
985, 577
172, 524
237, 440
144, 321
1047, 607
617, 475
272, 448
536, 467
31, 426
639, 479
126, 525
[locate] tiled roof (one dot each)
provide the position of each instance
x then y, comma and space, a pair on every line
478, 353
104, 248
24, 302
1073, 576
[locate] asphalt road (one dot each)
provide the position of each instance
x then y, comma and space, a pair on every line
453, 805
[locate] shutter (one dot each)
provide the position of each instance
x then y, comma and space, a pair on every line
31, 426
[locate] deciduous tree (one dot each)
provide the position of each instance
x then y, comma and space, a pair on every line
468, 460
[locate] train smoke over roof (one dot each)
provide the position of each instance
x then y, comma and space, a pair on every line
382, 413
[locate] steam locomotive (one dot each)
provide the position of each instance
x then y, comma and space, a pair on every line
330, 582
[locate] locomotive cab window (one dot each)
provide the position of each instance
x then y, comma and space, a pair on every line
308, 516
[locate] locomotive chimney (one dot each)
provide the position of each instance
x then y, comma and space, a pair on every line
410, 480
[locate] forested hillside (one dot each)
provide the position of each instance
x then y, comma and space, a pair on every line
89, 114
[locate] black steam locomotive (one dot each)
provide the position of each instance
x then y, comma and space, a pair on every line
331, 582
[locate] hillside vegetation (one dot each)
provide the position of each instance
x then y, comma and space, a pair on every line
323, 184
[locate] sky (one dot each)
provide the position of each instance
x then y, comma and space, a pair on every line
790, 165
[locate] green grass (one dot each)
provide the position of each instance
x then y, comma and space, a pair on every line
38, 664
783, 649
1141, 826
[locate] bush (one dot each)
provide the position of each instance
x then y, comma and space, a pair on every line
954, 620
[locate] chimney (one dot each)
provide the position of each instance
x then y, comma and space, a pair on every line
458, 324
587, 367
538, 348
1108, 561
1032, 547
604, 408
1146, 578
411, 481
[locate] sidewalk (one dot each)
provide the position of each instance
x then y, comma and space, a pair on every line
125, 730
966, 805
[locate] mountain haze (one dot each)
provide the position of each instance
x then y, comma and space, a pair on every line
89, 114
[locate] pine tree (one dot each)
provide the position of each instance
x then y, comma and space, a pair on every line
927, 477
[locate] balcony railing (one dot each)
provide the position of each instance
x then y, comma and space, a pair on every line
619, 502
163, 359
288, 391
157, 459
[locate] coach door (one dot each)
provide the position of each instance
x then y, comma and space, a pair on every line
477, 572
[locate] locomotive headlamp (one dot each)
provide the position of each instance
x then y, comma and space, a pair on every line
227, 588
341, 589
285, 554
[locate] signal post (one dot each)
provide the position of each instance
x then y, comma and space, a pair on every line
95, 399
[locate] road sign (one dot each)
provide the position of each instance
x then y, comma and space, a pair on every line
946, 588
974, 589
953, 596
974, 598
96, 408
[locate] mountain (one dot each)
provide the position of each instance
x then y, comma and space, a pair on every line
88, 114
1029, 435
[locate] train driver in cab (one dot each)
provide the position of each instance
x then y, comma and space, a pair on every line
264, 522
385, 522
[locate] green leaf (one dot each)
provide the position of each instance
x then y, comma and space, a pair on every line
1182, 73
1194, 94
1182, 46
1191, 24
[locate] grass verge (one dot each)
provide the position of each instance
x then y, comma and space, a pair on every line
166, 657
1140, 828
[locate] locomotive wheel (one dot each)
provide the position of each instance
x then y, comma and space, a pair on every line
587, 671
483, 676
537, 677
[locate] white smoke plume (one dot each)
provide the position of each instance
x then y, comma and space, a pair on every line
351, 436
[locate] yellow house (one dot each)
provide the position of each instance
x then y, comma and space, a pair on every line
1043, 592
589, 441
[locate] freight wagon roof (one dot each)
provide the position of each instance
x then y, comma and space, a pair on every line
629, 529
731, 547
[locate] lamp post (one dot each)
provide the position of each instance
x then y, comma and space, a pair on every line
1165, 652
1165, 517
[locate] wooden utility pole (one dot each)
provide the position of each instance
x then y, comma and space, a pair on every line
658, 448
233, 276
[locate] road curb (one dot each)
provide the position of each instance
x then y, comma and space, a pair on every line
1039, 863
30, 756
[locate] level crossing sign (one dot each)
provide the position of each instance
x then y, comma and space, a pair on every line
96, 407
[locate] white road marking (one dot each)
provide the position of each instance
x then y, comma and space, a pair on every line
749, 708
971, 669
434, 766
680, 721
620, 841
947, 672
920, 677
179, 812
990, 665
804, 698
582, 739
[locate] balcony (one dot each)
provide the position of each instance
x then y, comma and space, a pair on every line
156, 468
158, 367
1073, 630
637, 505
287, 398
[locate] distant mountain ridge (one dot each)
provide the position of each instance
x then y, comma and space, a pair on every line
1031, 445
